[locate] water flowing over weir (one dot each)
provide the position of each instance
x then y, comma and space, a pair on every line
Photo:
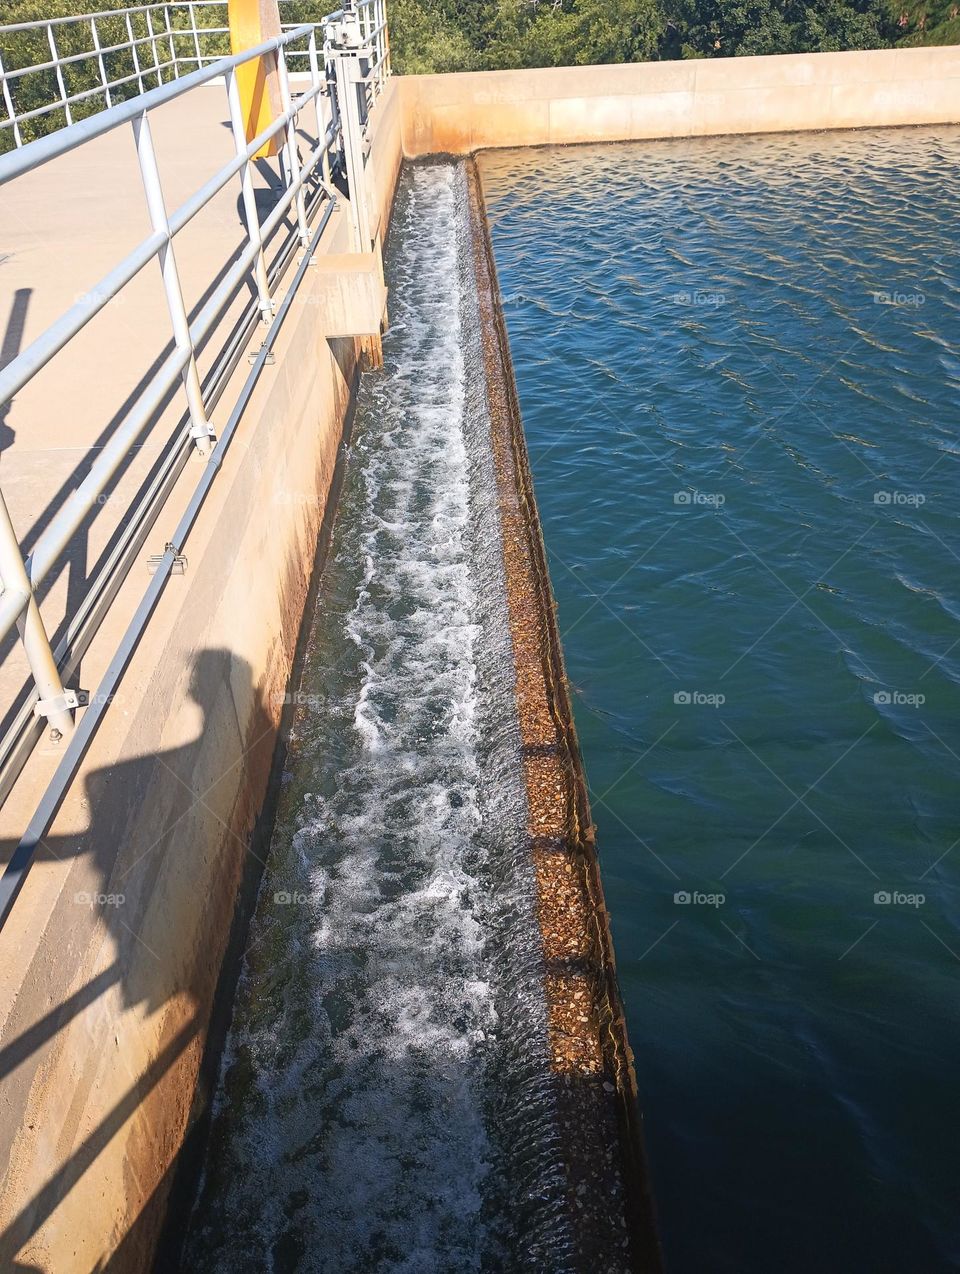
385, 1097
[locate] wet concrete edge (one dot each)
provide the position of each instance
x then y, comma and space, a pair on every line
605, 1161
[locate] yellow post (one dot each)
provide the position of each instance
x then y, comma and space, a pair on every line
252, 22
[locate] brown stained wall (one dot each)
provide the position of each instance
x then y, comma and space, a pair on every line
458, 114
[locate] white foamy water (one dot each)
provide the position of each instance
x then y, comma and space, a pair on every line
390, 993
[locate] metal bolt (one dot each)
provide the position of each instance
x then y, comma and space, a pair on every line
55, 735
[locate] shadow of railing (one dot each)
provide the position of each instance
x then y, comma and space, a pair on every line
141, 850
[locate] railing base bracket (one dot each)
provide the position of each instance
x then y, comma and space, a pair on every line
59, 703
178, 567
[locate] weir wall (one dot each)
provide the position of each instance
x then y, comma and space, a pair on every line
105, 1006
697, 98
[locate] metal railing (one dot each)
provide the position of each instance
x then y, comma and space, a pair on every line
299, 211
55, 71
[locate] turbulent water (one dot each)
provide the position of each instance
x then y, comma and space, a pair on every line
384, 1101
739, 367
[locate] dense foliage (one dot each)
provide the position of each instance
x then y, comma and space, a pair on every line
469, 35
458, 35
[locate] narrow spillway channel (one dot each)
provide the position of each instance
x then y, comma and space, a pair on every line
384, 1100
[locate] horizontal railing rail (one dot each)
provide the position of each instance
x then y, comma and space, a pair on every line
55, 71
308, 116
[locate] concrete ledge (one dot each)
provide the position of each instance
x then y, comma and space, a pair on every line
349, 293
591, 1067
109, 963
457, 114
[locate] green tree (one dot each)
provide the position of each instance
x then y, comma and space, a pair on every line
574, 33
424, 40
727, 28
833, 25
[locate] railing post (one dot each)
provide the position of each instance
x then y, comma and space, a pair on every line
153, 48
386, 39
103, 70
8, 103
196, 34
54, 700
330, 74
315, 83
290, 146
375, 27
200, 429
249, 198
381, 28
63, 88
363, 17
134, 54
173, 47
346, 62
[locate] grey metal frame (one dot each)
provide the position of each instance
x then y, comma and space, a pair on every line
306, 188
308, 194
159, 62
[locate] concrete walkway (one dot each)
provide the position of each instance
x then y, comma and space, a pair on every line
110, 958
62, 228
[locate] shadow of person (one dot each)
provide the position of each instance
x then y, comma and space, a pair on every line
147, 916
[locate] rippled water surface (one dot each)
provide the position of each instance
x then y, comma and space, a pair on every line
739, 367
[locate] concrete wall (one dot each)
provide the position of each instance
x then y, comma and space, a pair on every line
105, 1008
105, 1004
461, 113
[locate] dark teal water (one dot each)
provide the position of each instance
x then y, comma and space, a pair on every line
738, 366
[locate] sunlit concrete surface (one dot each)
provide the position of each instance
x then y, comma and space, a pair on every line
462, 113
110, 958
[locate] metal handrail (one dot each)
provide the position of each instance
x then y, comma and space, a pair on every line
307, 185
21, 860
162, 52
155, 63
66, 20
